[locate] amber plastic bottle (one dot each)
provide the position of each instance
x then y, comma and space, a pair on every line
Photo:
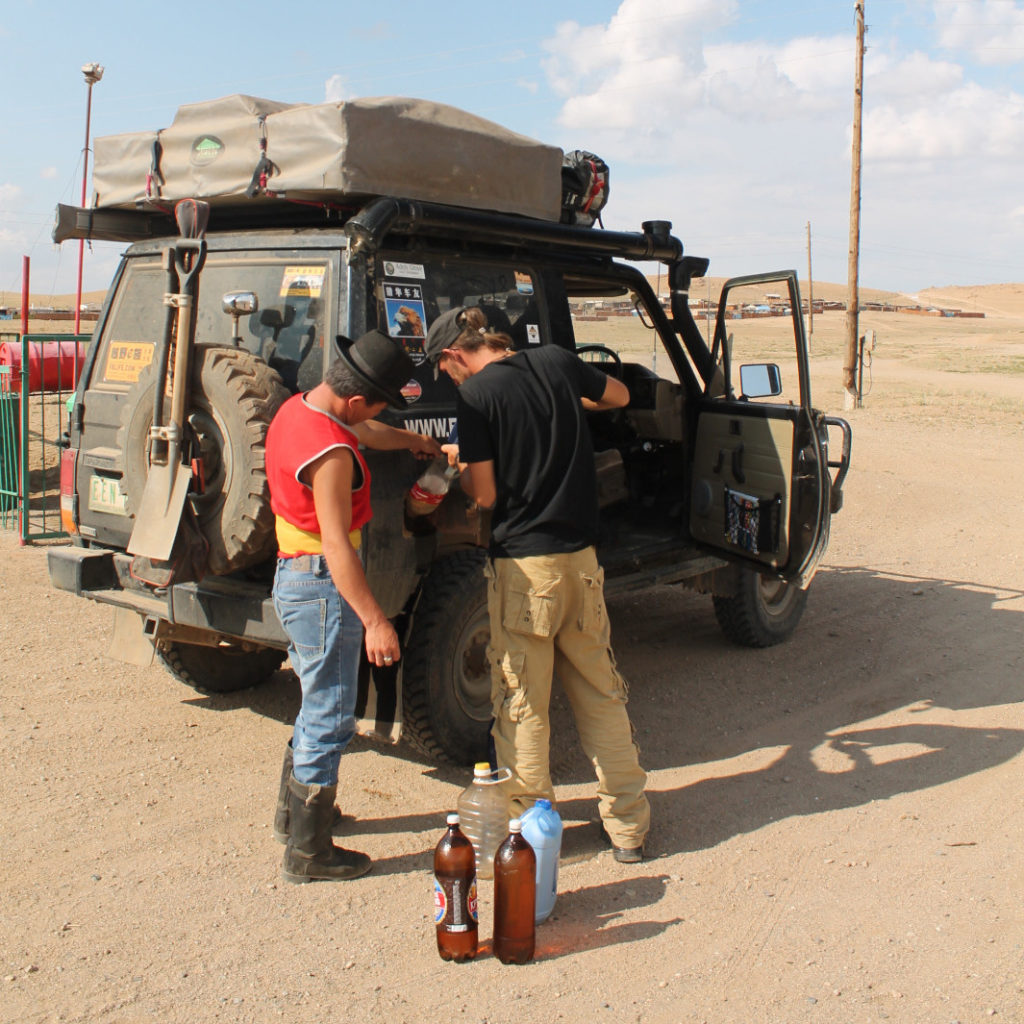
515, 895
455, 907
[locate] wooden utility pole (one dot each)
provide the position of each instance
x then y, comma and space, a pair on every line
853, 303
810, 291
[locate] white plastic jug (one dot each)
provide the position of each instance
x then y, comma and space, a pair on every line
542, 829
483, 815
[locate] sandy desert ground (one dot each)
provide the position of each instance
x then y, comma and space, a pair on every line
838, 821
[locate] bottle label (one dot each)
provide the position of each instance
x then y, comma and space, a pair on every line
417, 493
455, 904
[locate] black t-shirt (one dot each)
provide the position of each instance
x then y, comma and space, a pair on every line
524, 413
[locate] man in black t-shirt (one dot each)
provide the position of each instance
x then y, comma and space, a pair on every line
527, 453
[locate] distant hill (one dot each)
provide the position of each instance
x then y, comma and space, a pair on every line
991, 299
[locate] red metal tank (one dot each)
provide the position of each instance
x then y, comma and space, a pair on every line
52, 365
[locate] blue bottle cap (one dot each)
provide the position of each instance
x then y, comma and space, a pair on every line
544, 803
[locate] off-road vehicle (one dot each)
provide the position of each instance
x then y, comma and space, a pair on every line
715, 476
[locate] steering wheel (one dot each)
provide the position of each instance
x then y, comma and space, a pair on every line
607, 354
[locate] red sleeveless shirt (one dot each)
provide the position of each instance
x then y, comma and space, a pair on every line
298, 435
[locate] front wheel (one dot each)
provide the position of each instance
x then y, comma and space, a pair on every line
446, 679
762, 610
221, 669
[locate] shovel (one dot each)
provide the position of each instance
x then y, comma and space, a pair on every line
169, 479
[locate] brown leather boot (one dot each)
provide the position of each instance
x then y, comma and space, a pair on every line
310, 853
281, 815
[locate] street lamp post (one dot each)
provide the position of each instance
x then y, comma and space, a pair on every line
93, 73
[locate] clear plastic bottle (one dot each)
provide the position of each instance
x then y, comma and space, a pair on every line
483, 814
429, 490
515, 889
542, 829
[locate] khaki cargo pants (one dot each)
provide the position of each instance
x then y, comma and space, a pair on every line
548, 617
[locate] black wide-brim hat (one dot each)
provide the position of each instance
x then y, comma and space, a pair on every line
379, 361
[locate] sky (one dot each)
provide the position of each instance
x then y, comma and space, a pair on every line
730, 118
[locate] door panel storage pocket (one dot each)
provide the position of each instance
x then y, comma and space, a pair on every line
752, 523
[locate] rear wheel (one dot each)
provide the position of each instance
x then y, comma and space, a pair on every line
446, 676
762, 610
221, 669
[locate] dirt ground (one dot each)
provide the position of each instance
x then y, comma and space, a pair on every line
838, 821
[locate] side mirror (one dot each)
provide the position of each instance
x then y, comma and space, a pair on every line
238, 304
760, 380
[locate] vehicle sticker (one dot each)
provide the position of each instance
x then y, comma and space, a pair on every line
205, 149
412, 391
524, 283
439, 427
302, 281
392, 269
126, 360
406, 317
105, 495
533, 334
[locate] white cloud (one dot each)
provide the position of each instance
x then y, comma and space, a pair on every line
336, 89
8, 193
48, 173
969, 122
992, 31
741, 143
650, 74
642, 42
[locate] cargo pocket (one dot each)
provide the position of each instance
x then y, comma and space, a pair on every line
529, 612
509, 696
594, 614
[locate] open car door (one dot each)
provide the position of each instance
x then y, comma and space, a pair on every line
761, 485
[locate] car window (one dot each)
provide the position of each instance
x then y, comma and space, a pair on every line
410, 294
134, 325
758, 331
616, 326
287, 329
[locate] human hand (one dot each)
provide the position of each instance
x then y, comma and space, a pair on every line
452, 451
423, 446
381, 642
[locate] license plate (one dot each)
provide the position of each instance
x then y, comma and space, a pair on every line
105, 496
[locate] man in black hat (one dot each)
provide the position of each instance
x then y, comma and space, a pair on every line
320, 495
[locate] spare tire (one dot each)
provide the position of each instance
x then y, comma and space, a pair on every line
232, 398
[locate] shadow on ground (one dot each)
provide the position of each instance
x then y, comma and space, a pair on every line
870, 643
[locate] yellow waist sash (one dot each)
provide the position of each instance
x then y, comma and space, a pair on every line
291, 540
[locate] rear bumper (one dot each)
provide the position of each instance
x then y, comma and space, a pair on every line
218, 604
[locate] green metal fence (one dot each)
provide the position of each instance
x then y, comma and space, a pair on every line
10, 457
33, 418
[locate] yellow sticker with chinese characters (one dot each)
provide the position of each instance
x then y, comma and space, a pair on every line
302, 281
126, 360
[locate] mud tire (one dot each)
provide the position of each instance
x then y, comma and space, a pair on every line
446, 680
233, 396
761, 612
222, 669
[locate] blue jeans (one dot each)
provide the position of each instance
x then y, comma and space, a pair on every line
325, 644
